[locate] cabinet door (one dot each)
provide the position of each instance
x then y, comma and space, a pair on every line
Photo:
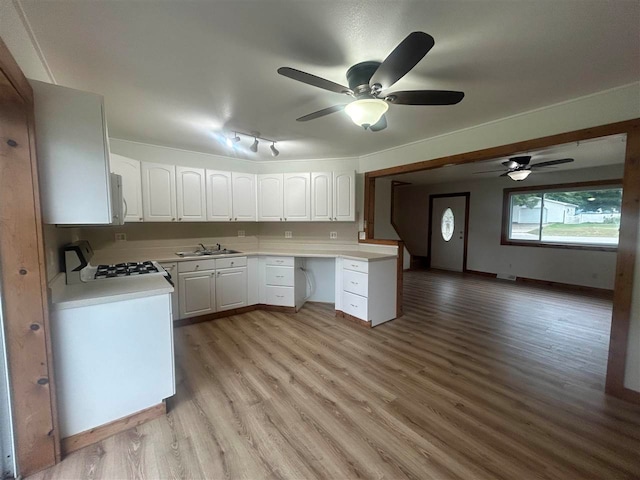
243, 202
218, 196
231, 288
344, 196
131, 173
191, 193
270, 201
321, 196
197, 293
158, 192
297, 197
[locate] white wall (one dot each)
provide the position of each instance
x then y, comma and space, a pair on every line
485, 254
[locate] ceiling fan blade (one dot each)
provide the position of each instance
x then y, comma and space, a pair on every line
402, 59
425, 97
489, 171
552, 162
313, 80
321, 113
521, 160
379, 125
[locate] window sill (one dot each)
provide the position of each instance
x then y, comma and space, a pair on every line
597, 248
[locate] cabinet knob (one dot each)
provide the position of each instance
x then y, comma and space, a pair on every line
236, 219
180, 219
140, 218
231, 263
280, 219
173, 219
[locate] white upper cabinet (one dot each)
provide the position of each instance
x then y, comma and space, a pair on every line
344, 196
131, 173
219, 196
191, 194
159, 192
243, 190
73, 156
321, 196
270, 197
297, 197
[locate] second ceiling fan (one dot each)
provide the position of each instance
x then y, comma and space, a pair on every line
367, 80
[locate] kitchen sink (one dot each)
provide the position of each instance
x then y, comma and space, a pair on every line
206, 253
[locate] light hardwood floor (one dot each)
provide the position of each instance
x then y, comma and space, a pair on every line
480, 379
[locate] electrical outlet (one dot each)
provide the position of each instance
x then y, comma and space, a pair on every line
121, 237
333, 235
362, 235
241, 233
288, 234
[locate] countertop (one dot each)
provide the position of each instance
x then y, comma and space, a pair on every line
107, 290
168, 255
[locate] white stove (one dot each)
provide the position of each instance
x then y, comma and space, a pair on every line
79, 269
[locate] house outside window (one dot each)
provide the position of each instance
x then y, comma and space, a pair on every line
581, 215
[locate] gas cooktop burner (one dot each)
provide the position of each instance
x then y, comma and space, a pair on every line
125, 269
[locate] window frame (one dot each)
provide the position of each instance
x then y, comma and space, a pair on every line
506, 214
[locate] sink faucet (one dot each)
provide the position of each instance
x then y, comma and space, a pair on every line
219, 246
203, 247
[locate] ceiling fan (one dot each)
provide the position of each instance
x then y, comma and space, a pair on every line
518, 168
367, 80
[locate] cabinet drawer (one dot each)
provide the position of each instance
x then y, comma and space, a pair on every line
231, 262
196, 265
355, 265
282, 296
355, 282
279, 261
282, 276
355, 305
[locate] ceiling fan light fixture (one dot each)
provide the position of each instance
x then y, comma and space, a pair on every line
367, 111
519, 175
274, 151
254, 146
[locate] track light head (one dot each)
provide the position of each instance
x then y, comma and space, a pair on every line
254, 145
274, 151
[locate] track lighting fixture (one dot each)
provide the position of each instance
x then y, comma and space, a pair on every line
231, 141
274, 151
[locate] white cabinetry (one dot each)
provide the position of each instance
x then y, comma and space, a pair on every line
191, 194
333, 196
321, 196
73, 156
131, 173
344, 196
159, 192
231, 283
197, 290
270, 197
244, 197
367, 290
297, 197
219, 196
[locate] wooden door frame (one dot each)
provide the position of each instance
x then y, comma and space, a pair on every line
467, 199
628, 241
24, 280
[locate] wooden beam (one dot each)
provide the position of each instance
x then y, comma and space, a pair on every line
25, 301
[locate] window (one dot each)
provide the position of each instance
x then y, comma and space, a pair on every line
447, 225
582, 215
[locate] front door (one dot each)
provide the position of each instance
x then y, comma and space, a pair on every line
448, 231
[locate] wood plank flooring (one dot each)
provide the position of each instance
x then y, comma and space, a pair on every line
481, 379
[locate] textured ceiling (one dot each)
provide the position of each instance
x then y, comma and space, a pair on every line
179, 73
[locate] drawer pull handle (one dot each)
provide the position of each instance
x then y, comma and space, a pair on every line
279, 276
354, 283
354, 265
354, 306
280, 296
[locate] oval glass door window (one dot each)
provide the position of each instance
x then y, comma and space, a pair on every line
447, 224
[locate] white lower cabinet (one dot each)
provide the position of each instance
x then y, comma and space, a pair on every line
231, 288
367, 290
197, 292
212, 285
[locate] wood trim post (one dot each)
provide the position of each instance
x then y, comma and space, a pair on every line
23, 276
